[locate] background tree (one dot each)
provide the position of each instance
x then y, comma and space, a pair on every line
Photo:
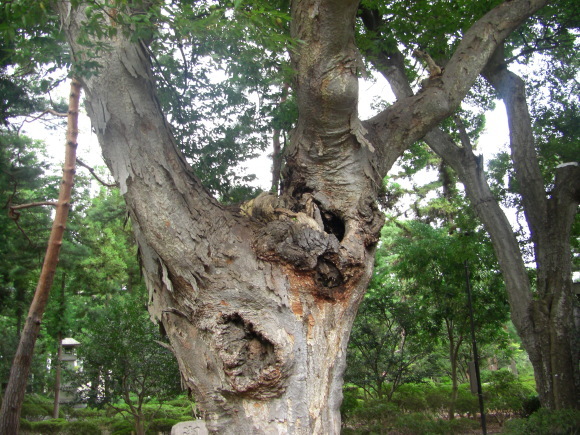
122, 358
387, 347
429, 261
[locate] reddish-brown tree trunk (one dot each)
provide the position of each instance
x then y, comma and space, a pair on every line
14, 394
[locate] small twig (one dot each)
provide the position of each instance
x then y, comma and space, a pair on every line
47, 112
94, 174
32, 204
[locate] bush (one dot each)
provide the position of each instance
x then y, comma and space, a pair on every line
122, 427
415, 423
506, 393
467, 402
418, 423
411, 397
25, 425
546, 422
530, 405
52, 426
85, 413
437, 398
82, 427
36, 407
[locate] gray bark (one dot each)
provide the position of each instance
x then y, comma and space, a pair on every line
258, 302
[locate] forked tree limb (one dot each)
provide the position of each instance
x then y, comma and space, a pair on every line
14, 394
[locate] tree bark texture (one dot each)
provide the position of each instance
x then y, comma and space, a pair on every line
14, 394
258, 301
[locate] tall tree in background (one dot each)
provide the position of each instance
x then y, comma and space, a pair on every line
541, 307
258, 302
122, 358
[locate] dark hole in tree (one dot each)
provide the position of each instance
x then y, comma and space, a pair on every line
333, 225
328, 274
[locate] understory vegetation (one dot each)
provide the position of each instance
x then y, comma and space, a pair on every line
160, 417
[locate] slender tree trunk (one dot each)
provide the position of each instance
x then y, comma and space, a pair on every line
14, 394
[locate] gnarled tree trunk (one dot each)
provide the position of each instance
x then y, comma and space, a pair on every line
258, 303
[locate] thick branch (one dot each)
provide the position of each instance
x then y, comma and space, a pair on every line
411, 118
511, 89
166, 201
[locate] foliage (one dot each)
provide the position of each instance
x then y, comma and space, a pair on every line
415, 309
36, 407
546, 422
23, 237
96, 421
506, 392
419, 407
122, 358
127, 351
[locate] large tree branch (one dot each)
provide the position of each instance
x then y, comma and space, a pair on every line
470, 171
411, 118
511, 89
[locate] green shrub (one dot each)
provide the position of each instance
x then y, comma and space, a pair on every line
25, 424
161, 425
459, 426
414, 423
350, 402
180, 402
505, 393
437, 397
52, 426
530, 405
417, 423
83, 427
35, 406
84, 413
411, 397
546, 422
122, 427
467, 402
